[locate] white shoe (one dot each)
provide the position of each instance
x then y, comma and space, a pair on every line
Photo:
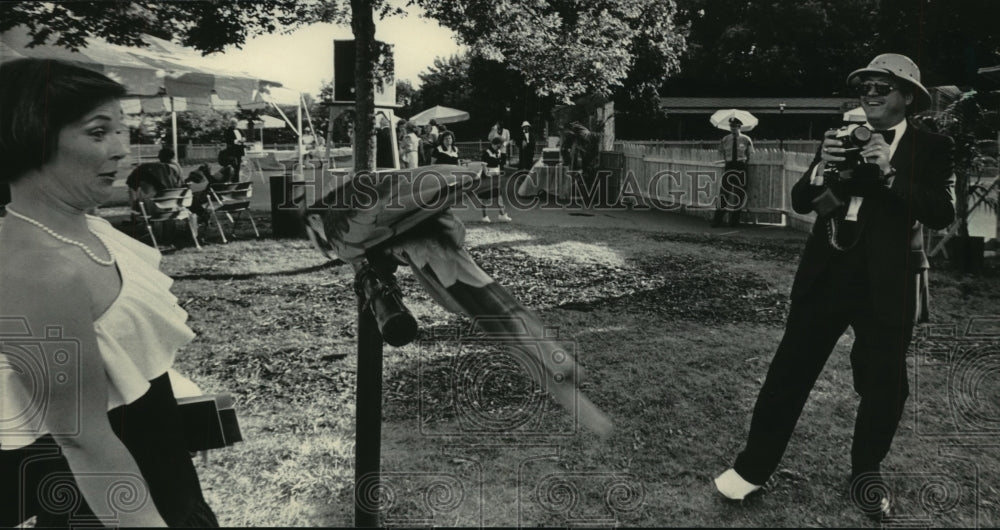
486, 219
504, 218
732, 485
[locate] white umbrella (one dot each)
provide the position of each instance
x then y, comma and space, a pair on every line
439, 114
856, 115
720, 119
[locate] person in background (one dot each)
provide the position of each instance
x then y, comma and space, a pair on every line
491, 184
71, 277
435, 131
427, 146
150, 178
498, 131
446, 152
384, 155
228, 172
402, 143
580, 149
410, 146
736, 148
235, 146
525, 147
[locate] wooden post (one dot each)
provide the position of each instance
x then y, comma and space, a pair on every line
368, 421
381, 316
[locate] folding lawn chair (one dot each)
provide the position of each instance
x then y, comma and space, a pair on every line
231, 198
169, 205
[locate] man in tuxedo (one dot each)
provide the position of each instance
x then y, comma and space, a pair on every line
525, 147
234, 146
863, 267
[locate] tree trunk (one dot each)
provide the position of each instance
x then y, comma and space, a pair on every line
363, 26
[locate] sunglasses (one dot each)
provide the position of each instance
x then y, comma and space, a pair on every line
881, 89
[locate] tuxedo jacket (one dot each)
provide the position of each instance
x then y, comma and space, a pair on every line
891, 221
526, 148
235, 149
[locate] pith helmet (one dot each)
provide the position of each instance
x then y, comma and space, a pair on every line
900, 67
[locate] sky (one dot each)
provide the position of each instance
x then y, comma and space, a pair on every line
303, 60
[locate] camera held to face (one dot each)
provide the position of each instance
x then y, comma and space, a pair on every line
851, 177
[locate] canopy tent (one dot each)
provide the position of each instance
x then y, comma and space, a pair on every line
440, 115
262, 122
159, 75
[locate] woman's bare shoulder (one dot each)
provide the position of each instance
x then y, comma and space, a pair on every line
31, 269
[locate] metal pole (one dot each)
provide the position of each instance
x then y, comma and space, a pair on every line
368, 420
298, 113
173, 127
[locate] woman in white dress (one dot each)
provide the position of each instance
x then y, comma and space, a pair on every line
88, 420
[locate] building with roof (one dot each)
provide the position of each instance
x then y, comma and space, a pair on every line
791, 118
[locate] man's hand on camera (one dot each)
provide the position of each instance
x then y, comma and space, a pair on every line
877, 152
833, 149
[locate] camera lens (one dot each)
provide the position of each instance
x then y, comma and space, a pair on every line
861, 135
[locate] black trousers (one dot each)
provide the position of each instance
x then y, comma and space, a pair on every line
237, 163
732, 193
36, 480
878, 361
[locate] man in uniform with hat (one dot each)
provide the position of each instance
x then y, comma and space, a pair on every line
736, 149
871, 283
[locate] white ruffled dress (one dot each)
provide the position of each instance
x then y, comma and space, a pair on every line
138, 337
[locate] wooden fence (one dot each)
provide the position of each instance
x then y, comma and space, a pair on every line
795, 146
687, 178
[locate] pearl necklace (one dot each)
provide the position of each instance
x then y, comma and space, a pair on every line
107, 263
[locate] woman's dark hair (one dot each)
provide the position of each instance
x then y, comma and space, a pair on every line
165, 155
38, 98
442, 136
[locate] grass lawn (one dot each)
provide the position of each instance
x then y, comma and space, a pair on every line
675, 332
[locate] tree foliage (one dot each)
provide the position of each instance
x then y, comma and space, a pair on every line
950, 40
966, 120
807, 47
565, 48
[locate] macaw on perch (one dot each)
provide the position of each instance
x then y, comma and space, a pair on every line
375, 221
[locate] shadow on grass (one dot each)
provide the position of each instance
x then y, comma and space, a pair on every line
254, 275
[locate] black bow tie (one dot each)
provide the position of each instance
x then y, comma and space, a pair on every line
888, 134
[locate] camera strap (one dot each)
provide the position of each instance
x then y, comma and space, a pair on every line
834, 233
853, 207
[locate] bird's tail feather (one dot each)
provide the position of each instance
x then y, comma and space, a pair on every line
503, 317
